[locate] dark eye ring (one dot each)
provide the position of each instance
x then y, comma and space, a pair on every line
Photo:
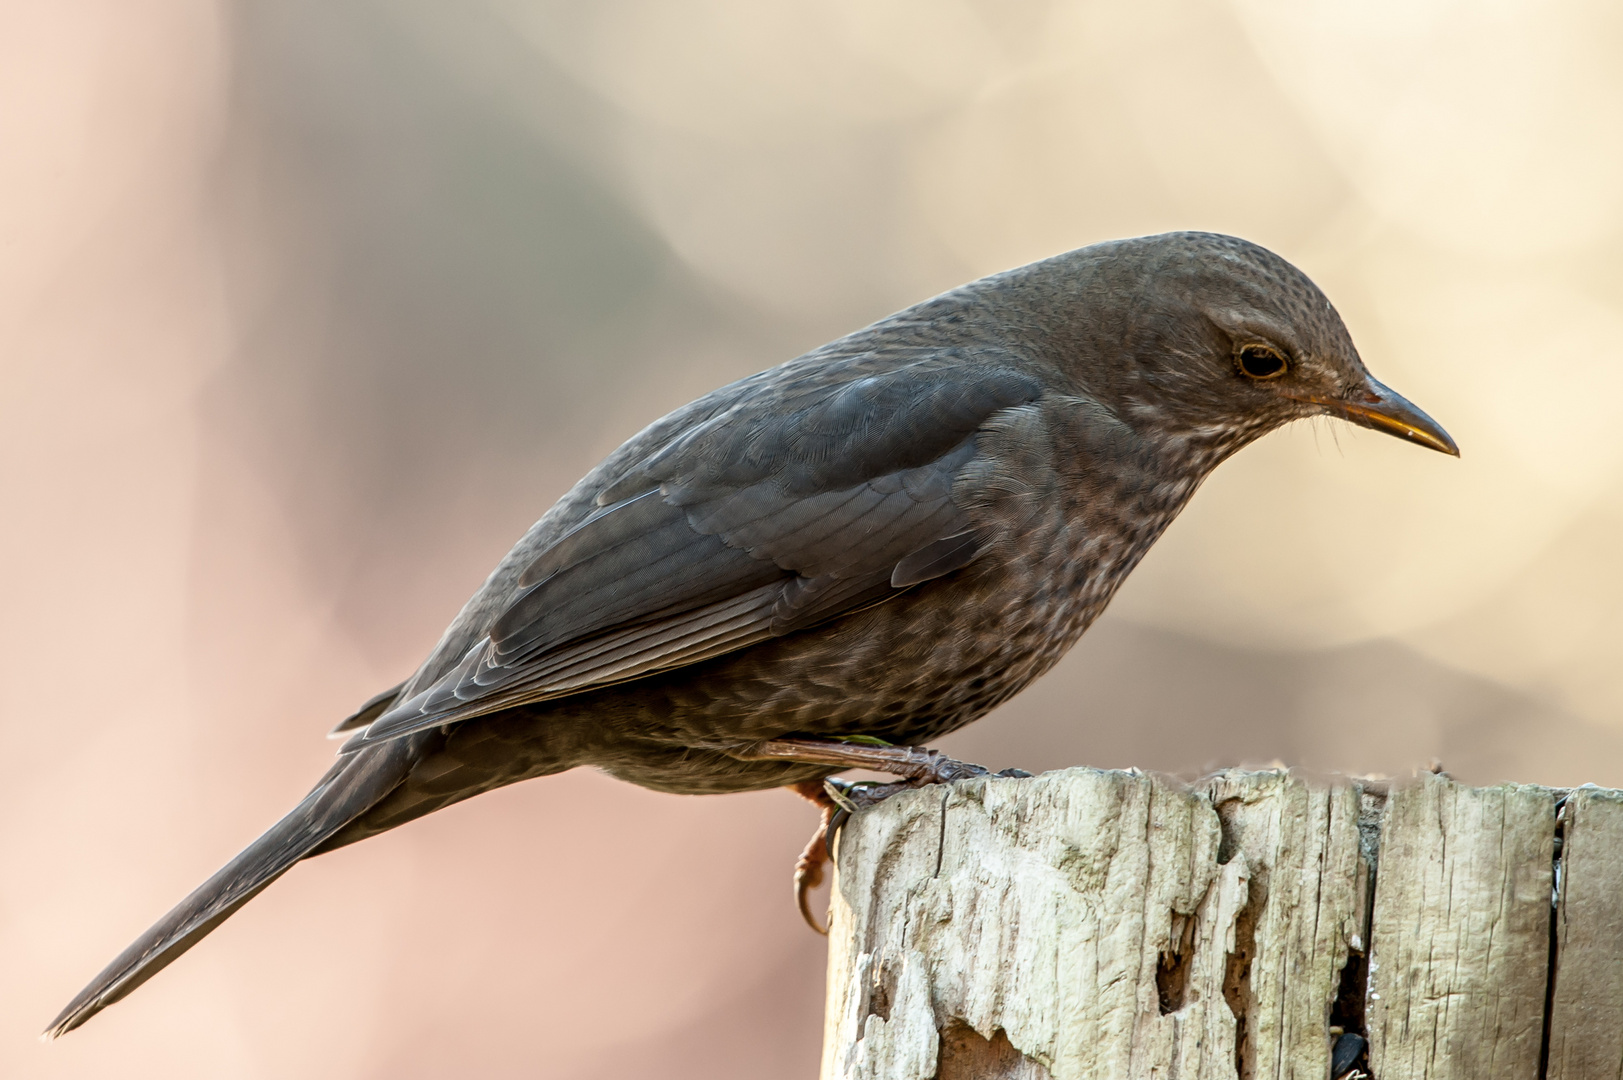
1261, 362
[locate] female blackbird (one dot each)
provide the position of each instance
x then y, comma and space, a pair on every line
838, 559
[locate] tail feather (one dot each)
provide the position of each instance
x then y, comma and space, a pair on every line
355, 783
375, 706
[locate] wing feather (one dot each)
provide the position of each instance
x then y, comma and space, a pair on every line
790, 508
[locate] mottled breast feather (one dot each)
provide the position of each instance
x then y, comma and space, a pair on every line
815, 495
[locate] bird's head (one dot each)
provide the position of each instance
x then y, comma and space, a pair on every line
1226, 341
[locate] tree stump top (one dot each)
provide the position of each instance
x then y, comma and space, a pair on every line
1086, 924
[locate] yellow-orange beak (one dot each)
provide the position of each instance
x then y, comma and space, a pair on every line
1384, 409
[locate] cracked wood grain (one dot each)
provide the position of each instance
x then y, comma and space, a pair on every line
1586, 1008
1042, 911
1461, 932
1308, 881
1114, 924
1046, 920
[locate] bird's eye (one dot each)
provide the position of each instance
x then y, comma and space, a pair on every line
1261, 362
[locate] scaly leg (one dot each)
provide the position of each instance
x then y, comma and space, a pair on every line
916, 763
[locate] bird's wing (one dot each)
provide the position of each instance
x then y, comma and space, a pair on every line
800, 503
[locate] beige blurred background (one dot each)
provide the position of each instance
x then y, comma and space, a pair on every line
308, 309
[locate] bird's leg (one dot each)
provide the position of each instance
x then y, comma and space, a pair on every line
836, 799
918, 764
809, 867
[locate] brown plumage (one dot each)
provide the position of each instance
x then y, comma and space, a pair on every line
886, 537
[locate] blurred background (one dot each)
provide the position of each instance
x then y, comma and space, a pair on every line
308, 309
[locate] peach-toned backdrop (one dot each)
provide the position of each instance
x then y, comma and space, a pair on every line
308, 309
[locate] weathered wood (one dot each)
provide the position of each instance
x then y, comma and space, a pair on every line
1107, 923
1305, 914
1114, 924
1586, 1008
1461, 934
1040, 908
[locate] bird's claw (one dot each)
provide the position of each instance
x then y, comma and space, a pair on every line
839, 793
839, 799
836, 822
861, 794
809, 873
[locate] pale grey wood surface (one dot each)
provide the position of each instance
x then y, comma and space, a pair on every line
1046, 908
1307, 893
1586, 1014
1461, 932
1036, 907
1115, 924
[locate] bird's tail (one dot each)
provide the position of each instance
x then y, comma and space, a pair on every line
353, 785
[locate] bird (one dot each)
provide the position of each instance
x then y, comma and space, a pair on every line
832, 562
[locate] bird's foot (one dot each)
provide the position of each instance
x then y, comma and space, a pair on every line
839, 799
809, 867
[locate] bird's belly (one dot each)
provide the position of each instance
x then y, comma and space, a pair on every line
907, 671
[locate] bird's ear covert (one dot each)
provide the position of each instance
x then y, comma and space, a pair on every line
1261, 361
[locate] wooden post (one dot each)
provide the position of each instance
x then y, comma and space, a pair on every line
1087, 924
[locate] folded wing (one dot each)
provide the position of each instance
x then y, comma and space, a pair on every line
801, 503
